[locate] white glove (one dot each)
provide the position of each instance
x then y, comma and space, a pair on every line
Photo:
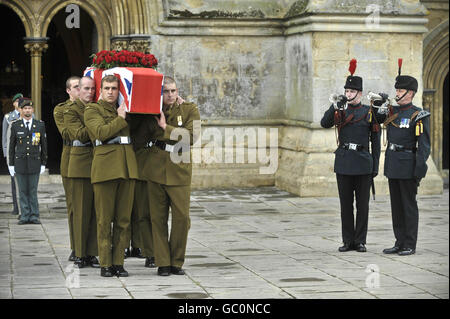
42, 169
12, 172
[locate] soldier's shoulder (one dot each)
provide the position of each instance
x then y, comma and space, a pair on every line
189, 105
422, 114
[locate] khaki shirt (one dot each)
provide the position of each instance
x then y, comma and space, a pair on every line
113, 161
159, 167
80, 160
58, 115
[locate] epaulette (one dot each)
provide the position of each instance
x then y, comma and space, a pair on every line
422, 114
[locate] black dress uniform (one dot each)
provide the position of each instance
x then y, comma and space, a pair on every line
408, 148
354, 166
27, 153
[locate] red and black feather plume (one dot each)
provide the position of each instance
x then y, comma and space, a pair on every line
400, 62
352, 66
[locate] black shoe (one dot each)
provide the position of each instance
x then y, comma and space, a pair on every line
176, 270
346, 247
22, 222
361, 248
79, 262
92, 261
36, 221
107, 272
127, 253
72, 256
120, 271
406, 251
164, 271
15, 212
392, 250
136, 252
150, 262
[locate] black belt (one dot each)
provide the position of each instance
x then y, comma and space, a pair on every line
352, 146
123, 140
162, 145
401, 148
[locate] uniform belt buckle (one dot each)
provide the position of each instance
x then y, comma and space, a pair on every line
150, 144
352, 146
124, 140
169, 148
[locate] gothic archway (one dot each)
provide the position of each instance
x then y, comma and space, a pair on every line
435, 71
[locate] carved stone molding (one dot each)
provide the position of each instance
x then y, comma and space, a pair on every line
428, 96
120, 42
36, 46
140, 43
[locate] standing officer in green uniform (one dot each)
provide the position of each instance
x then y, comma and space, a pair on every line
169, 183
79, 171
113, 175
72, 89
27, 159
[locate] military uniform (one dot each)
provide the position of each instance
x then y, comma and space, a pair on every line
408, 148
79, 171
27, 153
113, 174
354, 165
6, 132
169, 185
58, 115
142, 230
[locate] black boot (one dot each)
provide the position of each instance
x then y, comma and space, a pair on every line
150, 262
107, 272
120, 271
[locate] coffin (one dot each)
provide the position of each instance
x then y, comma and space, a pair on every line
140, 88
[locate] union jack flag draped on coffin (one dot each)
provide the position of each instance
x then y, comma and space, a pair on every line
140, 88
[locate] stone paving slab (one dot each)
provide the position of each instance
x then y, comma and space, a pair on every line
243, 244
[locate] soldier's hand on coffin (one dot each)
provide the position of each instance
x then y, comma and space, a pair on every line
180, 100
161, 120
121, 110
11, 170
42, 169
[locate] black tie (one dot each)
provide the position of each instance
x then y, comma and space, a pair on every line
28, 126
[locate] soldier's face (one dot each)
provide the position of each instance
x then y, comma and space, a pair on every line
87, 90
170, 93
27, 111
74, 90
406, 99
350, 94
110, 92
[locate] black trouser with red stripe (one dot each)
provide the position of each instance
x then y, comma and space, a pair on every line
405, 213
352, 187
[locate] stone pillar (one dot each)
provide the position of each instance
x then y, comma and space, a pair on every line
36, 46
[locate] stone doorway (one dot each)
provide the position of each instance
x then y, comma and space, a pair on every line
14, 66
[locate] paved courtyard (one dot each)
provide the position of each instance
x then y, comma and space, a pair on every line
245, 244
